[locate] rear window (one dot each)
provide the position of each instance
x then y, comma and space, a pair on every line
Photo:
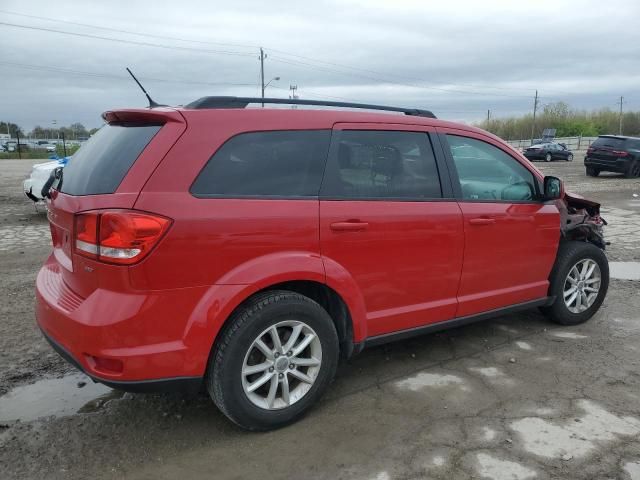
266, 164
609, 142
101, 164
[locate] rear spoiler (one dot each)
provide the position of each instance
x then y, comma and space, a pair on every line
156, 115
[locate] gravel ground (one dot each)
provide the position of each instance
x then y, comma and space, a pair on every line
512, 398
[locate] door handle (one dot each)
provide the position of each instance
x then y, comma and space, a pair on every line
349, 226
482, 221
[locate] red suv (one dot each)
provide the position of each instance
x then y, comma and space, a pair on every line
247, 249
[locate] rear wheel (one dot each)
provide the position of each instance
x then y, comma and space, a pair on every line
592, 172
633, 170
579, 281
547, 157
273, 361
570, 157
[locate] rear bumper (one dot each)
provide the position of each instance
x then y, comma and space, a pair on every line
616, 165
182, 384
153, 336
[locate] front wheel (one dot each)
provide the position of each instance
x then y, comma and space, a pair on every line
592, 172
547, 157
570, 157
579, 282
273, 361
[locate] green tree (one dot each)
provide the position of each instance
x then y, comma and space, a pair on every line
567, 121
11, 128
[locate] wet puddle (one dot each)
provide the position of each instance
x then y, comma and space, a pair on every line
55, 396
624, 270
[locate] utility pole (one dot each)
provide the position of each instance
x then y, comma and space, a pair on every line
262, 57
620, 117
488, 117
293, 88
535, 108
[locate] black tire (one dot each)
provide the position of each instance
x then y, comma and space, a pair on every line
224, 380
548, 157
570, 157
569, 253
633, 170
592, 172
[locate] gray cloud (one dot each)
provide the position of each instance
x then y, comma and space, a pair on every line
457, 58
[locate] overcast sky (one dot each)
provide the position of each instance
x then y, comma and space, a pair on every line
458, 58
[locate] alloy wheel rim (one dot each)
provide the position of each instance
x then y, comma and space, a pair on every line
281, 365
582, 285
548, 157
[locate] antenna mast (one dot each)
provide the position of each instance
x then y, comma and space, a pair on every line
152, 104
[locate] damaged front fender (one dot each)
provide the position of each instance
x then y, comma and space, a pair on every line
580, 220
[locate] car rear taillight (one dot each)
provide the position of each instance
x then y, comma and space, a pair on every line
590, 150
620, 153
122, 237
86, 234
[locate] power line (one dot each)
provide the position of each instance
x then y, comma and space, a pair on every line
350, 67
289, 54
129, 32
283, 52
124, 77
292, 62
131, 42
382, 80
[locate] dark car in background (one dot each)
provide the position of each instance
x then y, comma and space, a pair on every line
613, 153
548, 152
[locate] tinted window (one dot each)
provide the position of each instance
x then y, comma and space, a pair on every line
101, 164
279, 163
609, 142
382, 164
487, 173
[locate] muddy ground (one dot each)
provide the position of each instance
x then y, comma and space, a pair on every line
512, 398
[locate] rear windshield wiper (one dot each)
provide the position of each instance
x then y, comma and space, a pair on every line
54, 177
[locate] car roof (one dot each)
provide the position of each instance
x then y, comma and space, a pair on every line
325, 117
270, 118
621, 137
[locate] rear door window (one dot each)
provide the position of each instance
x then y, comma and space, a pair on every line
266, 164
102, 163
373, 164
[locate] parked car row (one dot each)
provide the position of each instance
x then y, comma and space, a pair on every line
12, 146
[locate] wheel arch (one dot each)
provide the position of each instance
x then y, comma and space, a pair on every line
584, 233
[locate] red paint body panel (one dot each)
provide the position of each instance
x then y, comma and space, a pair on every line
401, 268
406, 263
509, 261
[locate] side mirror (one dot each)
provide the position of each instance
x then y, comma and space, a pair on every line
552, 188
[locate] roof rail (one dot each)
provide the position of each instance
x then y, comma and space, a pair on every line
242, 102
